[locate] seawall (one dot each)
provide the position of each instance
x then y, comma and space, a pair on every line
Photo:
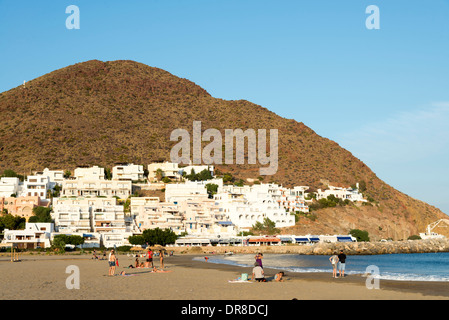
352, 248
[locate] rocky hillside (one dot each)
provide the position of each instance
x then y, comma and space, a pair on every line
100, 113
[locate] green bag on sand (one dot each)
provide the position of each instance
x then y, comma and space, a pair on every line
244, 277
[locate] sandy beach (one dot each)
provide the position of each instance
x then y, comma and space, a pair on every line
41, 277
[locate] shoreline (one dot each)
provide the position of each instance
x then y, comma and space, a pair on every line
427, 288
44, 277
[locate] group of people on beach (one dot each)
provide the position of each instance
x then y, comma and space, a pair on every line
338, 263
113, 262
258, 273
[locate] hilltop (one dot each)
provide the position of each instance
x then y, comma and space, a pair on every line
101, 113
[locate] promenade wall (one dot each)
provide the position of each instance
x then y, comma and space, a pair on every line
351, 248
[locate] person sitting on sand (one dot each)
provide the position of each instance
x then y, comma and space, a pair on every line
258, 274
278, 277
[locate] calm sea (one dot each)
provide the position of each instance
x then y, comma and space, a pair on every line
406, 267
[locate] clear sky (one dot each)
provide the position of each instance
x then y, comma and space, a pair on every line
381, 94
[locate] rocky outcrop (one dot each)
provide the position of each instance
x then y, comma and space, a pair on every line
350, 248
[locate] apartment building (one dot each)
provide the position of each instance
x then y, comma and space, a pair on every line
205, 218
247, 205
151, 213
99, 219
168, 169
189, 190
130, 171
89, 173
96, 188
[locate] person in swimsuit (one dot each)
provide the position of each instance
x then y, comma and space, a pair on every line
112, 259
334, 261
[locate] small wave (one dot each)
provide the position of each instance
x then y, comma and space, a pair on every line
382, 276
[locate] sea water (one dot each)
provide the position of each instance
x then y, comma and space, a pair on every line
406, 267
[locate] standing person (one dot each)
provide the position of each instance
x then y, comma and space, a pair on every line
341, 264
112, 259
161, 259
334, 260
259, 257
150, 257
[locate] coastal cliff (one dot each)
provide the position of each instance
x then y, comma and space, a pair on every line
350, 248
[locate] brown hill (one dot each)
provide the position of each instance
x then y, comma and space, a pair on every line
123, 111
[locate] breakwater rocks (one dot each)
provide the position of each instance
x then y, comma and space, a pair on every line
351, 248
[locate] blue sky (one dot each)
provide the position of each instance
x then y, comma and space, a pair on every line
382, 94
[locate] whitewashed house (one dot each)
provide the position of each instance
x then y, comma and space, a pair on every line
179, 192
90, 173
34, 236
341, 193
96, 188
54, 176
129, 171
9, 186
36, 185
169, 169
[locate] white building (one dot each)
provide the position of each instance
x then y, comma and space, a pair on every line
205, 218
341, 193
35, 235
130, 171
115, 239
99, 219
54, 176
96, 188
9, 186
36, 185
247, 205
190, 190
294, 199
151, 213
92, 173
169, 169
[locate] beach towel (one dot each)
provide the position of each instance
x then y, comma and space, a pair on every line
239, 281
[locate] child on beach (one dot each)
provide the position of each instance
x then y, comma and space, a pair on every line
278, 277
258, 258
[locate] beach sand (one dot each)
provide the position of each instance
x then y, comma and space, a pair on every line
38, 277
